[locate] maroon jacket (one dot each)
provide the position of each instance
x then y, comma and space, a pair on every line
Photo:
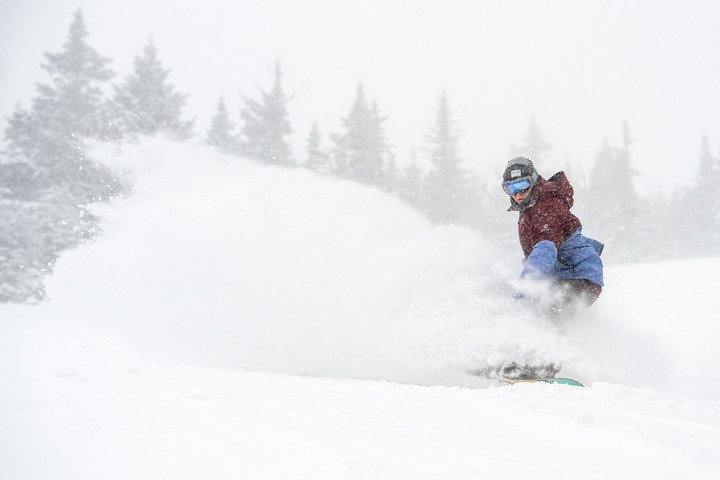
547, 216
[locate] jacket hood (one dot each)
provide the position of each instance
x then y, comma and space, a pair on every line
556, 186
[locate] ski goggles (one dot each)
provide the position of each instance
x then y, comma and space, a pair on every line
515, 186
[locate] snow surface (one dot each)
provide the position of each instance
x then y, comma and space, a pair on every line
242, 321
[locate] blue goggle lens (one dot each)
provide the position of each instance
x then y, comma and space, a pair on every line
511, 188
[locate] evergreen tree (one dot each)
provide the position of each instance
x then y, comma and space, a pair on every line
78, 76
534, 145
146, 104
391, 176
448, 190
220, 134
696, 212
625, 172
412, 182
317, 158
361, 149
266, 125
46, 176
707, 179
379, 155
594, 214
48, 138
339, 156
614, 206
20, 167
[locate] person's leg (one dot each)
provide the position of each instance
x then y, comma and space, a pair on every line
569, 294
584, 290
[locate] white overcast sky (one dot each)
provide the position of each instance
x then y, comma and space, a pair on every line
581, 67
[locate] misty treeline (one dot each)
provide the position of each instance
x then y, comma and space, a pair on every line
47, 180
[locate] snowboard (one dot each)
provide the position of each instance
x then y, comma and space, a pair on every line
513, 373
559, 381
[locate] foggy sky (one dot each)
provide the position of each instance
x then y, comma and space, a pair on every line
580, 67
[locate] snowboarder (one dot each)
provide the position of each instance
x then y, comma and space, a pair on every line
551, 237
556, 253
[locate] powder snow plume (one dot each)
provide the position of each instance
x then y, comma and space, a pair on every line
218, 261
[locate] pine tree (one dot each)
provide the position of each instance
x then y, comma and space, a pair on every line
339, 156
46, 177
614, 205
534, 145
601, 176
146, 104
696, 212
48, 138
575, 175
391, 176
220, 134
448, 190
412, 182
624, 171
17, 172
266, 125
360, 151
317, 158
23, 134
78, 76
379, 151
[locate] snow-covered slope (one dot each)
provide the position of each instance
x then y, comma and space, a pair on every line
165, 348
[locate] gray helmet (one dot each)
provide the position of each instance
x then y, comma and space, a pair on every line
520, 171
520, 167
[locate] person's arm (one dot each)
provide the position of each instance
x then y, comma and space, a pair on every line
540, 261
550, 235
